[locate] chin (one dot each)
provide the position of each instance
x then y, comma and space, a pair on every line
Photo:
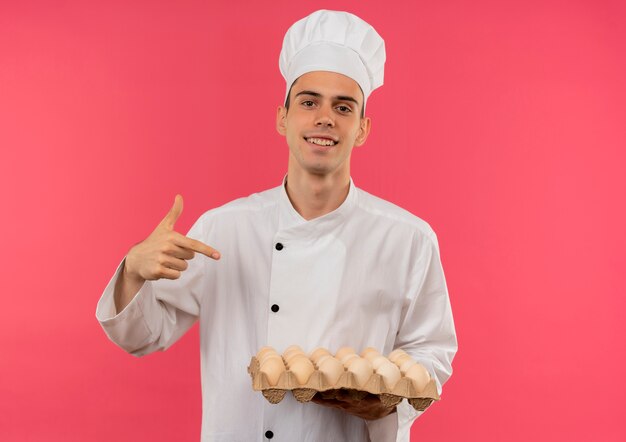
318, 170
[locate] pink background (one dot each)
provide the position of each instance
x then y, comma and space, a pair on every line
501, 123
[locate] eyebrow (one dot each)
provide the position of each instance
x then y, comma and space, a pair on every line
338, 97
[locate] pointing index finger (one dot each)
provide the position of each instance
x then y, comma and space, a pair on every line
197, 246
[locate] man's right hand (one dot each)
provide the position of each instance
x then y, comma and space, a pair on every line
163, 254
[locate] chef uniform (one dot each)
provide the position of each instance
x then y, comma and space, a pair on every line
367, 274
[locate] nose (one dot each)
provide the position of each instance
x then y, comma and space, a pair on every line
324, 117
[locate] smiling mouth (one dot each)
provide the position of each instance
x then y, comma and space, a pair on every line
321, 141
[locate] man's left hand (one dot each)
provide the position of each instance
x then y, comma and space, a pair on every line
369, 408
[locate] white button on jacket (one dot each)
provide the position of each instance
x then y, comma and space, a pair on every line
367, 274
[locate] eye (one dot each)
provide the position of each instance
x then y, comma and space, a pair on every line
344, 109
308, 103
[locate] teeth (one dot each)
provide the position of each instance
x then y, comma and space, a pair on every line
321, 141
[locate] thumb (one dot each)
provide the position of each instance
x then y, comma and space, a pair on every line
172, 216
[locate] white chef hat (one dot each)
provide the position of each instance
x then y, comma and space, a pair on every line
337, 42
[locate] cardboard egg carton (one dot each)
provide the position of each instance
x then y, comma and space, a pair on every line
345, 386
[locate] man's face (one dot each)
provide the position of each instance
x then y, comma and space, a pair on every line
323, 123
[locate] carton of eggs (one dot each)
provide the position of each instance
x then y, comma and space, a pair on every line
391, 378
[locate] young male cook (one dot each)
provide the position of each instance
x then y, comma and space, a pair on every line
315, 262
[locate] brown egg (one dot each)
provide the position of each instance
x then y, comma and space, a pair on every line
346, 361
419, 376
390, 374
402, 359
321, 360
267, 356
292, 350
294, 347
344, 351
265, 350
370, 353
294, 354
378, 361
394, 354
273, 368
270, 356
331, 369
296, 357
302, 368
406, 365
318, 353
362, 370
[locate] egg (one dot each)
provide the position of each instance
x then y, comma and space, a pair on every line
296, 357
270, 356
402, 359
318, 353
344, 351
267, 356
346, 360
362, 370
406, 365
302, 368
273, 368
292, 350
294, 347
321, 359
419, 376
378, 361
294, 354
331, 369
394, 354
265, 350
390, 374
370, 353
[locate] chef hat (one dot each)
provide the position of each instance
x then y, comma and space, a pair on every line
337, 42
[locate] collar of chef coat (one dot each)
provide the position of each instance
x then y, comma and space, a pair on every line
291, 222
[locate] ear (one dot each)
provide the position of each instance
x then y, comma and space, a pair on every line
364, 131
281, 120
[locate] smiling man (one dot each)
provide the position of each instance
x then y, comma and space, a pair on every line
322, 125
315, 262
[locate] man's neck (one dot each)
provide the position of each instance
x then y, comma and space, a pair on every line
314, 195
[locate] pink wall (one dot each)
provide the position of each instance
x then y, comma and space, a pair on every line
501, 123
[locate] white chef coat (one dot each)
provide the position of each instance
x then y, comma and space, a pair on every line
367, 274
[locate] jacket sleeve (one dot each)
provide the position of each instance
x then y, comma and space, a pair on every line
161, 312
426, 330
